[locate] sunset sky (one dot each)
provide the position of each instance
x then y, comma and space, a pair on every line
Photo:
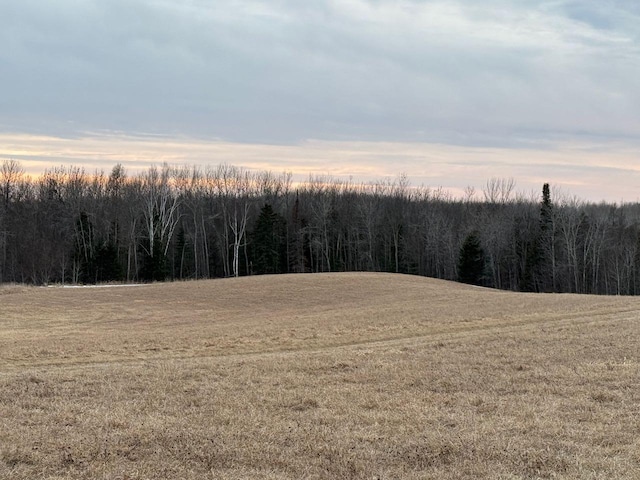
449, 92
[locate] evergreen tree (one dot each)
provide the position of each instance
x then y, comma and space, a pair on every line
544, 263
538, 250
471, 260
268, 242
546, 207
108, 267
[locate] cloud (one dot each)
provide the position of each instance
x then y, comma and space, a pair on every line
282, 71
451, 92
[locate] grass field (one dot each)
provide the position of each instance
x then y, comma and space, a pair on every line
355, 376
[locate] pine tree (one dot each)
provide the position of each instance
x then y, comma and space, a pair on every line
546, 207
108, 267
471, 261
544, 266
268, 242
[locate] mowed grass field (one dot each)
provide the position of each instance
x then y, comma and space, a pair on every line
354, 376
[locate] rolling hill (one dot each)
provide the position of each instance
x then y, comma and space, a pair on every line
349, 375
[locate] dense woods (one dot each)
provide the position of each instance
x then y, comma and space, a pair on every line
68, 226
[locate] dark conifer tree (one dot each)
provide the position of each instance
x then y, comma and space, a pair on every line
542, 262
471, 260
268, 242
108, 266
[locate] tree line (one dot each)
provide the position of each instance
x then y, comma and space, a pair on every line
174, 223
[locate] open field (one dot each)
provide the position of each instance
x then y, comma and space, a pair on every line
356, 376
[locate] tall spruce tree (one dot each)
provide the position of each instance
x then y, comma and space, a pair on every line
108, 267
268, 242
471, 260
545, 269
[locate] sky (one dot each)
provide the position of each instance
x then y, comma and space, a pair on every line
449, 92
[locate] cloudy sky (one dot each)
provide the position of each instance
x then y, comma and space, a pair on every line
450, 92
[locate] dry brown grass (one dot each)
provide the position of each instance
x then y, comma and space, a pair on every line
356, 376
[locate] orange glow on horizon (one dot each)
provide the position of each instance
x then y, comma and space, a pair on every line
579, 168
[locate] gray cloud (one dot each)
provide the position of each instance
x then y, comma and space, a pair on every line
497, 73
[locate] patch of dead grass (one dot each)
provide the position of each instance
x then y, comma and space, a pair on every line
329, 376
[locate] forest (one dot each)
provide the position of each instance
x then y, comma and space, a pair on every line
188, 222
